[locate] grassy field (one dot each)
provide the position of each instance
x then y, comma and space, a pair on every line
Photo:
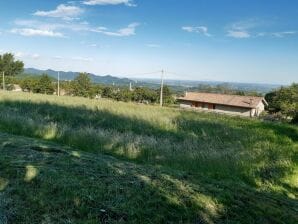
75, 160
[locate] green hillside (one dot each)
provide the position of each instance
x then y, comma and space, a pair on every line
75, 160
106, 79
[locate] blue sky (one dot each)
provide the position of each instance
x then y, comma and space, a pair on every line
223, 40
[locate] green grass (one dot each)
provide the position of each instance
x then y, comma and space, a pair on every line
167, 165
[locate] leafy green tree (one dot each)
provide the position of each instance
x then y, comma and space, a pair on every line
285, 101
44, 85
108, 92
123, 95
96, 90
142, 94
273, 105
81, 85
29, 84
167, 95
66, 86
10, 66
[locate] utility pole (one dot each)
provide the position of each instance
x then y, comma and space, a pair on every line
161, 88
3, 80
58, 91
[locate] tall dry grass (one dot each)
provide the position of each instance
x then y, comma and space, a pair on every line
214, 145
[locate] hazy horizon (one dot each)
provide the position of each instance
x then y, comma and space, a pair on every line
139, 78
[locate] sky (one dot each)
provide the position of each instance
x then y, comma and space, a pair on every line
252, 41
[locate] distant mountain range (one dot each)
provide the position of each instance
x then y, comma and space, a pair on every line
107, 79
177, 85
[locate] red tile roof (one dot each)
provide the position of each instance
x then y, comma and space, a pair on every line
224, 99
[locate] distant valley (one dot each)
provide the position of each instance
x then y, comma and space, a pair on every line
177, 85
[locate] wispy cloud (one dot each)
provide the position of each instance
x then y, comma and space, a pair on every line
89, 44
124, 32
278, 34
238, 34
83, 59
242, 29
40, 28
37, 32
197, 29
27, 55
251, 29
110, 2
68, 12
39, 24
92, 45
57, 57
153, 45
246, 24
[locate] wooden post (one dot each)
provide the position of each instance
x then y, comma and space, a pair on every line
58, 89
161, 88
3, 80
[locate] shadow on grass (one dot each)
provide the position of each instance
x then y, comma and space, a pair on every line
80, 187
219, 149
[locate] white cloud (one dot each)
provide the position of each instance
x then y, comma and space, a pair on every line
41, 28
82, 59
27, 55
197, 29
247, 28
124, 32
109, 2
37, 32
57, 57
68, 12
285, 33
240, 34
153, 45
244, 29
246, 24
35, 56
19, 54
277, 34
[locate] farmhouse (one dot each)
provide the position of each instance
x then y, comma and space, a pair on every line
249, 106
16, 88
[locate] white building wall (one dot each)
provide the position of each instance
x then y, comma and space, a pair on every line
259, 109
247, 112
233, 110
185, 104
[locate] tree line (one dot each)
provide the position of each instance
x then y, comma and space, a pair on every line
82, 86
283, 102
